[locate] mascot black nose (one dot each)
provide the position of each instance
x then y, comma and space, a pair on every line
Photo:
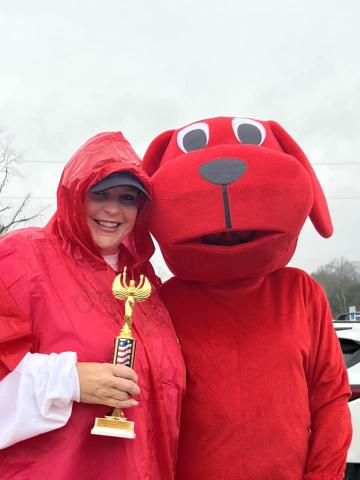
223, 171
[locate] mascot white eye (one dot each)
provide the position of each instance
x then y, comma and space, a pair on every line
193, 137
248, 131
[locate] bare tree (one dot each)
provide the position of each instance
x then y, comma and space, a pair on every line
10, 215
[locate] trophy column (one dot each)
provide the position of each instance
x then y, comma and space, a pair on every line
116, 424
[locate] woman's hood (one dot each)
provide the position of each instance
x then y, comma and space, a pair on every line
100, 156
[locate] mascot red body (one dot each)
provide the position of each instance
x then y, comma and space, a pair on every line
267, 388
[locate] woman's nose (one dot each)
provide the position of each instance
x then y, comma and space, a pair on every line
112, 207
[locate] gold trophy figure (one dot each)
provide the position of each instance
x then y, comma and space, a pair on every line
116, 425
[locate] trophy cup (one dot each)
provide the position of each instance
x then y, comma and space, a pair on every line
116, 424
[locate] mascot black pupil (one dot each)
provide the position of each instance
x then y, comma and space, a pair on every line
249, 134
194, 140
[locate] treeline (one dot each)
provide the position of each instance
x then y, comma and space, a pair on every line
341, 281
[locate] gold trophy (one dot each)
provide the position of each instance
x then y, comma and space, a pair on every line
116, 424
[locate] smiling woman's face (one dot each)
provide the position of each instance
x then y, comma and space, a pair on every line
110, 216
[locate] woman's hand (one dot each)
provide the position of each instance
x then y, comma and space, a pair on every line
107, 384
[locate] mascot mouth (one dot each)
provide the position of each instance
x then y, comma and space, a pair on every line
232, 237
228, 239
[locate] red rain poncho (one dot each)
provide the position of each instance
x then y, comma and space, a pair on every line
56, 296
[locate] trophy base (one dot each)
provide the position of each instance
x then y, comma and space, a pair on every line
114, 427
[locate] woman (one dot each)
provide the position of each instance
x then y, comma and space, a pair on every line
58, 322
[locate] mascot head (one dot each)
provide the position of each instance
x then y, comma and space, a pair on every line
230, 196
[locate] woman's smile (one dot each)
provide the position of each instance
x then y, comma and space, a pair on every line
107, 226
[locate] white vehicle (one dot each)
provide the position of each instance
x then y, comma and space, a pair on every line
348, 333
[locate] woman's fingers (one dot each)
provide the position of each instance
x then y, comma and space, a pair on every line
115, 403
123, 372
127, 386
100, 382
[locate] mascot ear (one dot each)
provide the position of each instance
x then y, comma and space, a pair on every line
155, 152
319, 213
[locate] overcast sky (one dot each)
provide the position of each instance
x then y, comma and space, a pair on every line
70, 69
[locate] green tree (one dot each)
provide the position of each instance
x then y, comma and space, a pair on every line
341, 281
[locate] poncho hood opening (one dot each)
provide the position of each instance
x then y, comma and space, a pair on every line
99, 157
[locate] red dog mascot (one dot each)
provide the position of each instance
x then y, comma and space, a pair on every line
267, 388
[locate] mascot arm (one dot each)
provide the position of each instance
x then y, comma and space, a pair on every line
328, 396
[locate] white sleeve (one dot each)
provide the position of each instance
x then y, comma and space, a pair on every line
37, 396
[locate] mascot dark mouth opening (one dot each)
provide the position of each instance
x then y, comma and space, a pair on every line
231, 238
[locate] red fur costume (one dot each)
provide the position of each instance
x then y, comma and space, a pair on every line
267, 388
